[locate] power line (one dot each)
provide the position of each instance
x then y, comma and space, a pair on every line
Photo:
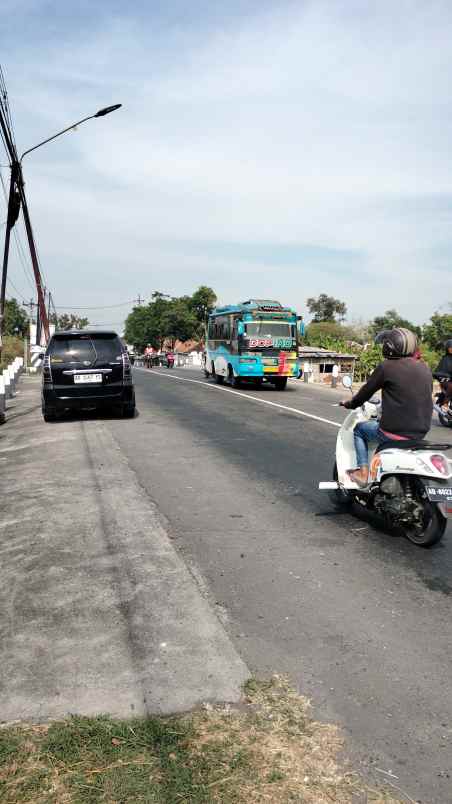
10, 282
104, 307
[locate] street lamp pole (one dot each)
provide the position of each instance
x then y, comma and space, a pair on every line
16, 199
100, 113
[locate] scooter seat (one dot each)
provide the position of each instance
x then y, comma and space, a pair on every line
412, 444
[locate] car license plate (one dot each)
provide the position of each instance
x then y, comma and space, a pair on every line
440, 494
79, 378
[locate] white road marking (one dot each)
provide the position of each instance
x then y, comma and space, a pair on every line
239, 393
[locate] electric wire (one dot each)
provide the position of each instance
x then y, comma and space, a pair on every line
100, 307
15, 289
7, 108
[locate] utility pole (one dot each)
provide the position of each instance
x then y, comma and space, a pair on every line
31, 306
12, 215
34, 257
139, 301
17, 199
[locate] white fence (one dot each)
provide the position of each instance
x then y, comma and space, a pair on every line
8, 383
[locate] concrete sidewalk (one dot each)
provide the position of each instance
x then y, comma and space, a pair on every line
98, 613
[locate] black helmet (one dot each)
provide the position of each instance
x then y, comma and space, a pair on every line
448, 345
397, 343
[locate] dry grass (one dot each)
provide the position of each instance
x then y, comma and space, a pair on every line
267, 750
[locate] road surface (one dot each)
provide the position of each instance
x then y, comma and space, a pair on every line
359, 619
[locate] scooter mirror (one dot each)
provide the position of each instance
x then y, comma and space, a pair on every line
347, 381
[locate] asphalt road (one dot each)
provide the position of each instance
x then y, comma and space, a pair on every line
359, 619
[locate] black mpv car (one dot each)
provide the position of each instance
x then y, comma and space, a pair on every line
84, 370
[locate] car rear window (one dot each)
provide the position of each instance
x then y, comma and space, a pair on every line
72, 350
108, 349
86, 349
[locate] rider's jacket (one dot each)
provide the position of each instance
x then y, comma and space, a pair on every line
406, 396
445, 365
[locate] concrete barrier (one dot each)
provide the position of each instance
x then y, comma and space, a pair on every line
9, 379
7, 383
2, 400
12, 381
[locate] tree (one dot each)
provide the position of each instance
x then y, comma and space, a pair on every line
326, 308
179, 318
139, 328
368, 358
202, 303
391, 319
16, 319
332, 335
438, 331
68, 321
326, 334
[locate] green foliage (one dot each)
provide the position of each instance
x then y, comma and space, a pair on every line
16, 319
179, 321
438, 330
202, 303
368, 359
430, 356
391, 319
331, 335
178, 318
69, 321
12, 347
326, 308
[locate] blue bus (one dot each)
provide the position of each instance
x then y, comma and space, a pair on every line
253, 341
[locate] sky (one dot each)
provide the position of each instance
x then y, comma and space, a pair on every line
273, 150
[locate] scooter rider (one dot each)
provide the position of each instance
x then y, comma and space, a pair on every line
444, 372
406, 386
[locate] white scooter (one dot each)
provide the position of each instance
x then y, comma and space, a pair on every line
409, 486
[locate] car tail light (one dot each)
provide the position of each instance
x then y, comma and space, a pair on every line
126, 369
46, 371
440, 464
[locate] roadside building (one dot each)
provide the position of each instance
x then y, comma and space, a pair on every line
319, 364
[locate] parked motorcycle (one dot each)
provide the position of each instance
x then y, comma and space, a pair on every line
444, 411
409, 484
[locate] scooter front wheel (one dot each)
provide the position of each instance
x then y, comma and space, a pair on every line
340, 498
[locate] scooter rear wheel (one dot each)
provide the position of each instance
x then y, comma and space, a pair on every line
434, 526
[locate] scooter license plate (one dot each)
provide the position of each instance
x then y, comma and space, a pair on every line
440, 494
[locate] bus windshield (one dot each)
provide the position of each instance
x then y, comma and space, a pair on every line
264, 329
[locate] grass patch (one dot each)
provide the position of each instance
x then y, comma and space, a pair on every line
267, 750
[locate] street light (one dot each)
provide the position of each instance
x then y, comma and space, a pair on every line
100, 113
16, 199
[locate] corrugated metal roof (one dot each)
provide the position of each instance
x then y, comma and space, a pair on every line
318, 351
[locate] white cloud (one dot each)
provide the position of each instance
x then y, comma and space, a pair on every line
324, 124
